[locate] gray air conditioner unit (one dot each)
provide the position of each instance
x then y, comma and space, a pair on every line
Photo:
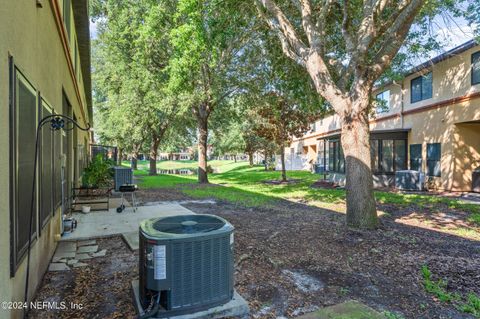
122, 175
409, 180
186, 263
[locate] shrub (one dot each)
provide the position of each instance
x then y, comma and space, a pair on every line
98, 173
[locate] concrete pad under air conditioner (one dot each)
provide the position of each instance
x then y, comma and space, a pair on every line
237, 308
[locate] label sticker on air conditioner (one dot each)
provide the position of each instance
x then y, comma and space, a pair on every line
159, 262
231, 239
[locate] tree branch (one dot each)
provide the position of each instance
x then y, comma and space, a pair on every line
291, 43
396, 35
307, 23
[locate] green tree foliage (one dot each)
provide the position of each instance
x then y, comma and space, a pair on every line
207, 41
130, 76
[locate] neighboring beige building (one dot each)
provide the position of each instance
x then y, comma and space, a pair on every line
44, 69
428, 122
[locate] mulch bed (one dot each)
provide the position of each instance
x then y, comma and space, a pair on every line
324, 184
102, 288
280, 182
380, 268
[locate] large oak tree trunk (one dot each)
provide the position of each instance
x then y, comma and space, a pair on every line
153, 157
250, 158
282, 158
202, 149
355, 139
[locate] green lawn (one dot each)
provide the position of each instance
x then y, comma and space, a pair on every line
239, 183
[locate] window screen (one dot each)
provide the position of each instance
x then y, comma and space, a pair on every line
335, 157
67, 16
416, 157
400, 156
46, 171
433, 159
476, 68
374, 155
421, 88
387, 156
383, 102
25, 128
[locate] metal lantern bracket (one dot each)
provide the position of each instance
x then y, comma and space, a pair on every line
57, 122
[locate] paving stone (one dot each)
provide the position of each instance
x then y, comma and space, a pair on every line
101, 253
62, 255
132, 239
87, 249
86, 243
82, 256
58, 267
72, 262
66, 246
56, 259
80, 264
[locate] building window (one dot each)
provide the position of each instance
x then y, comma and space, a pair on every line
434, 153
421, 88
416, 157
476, 68
382, 102
374, 149
23, 130
336, 160
46, 173
67, 16
313, 127
388, 155
400, 155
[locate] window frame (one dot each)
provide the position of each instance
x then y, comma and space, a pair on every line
44, 222
475, 61
378, 169
67, 18
336, 159
378, 109
411, 159
439, 160
17, 254
421, 78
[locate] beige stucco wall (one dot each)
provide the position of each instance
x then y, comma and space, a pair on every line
29, 34
460, 148
460, 142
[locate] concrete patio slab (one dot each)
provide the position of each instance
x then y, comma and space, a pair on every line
347, 310
109, 223
235, 308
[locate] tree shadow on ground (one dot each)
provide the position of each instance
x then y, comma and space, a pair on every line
380, 268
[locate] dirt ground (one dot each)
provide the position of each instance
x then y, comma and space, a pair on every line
293, 258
